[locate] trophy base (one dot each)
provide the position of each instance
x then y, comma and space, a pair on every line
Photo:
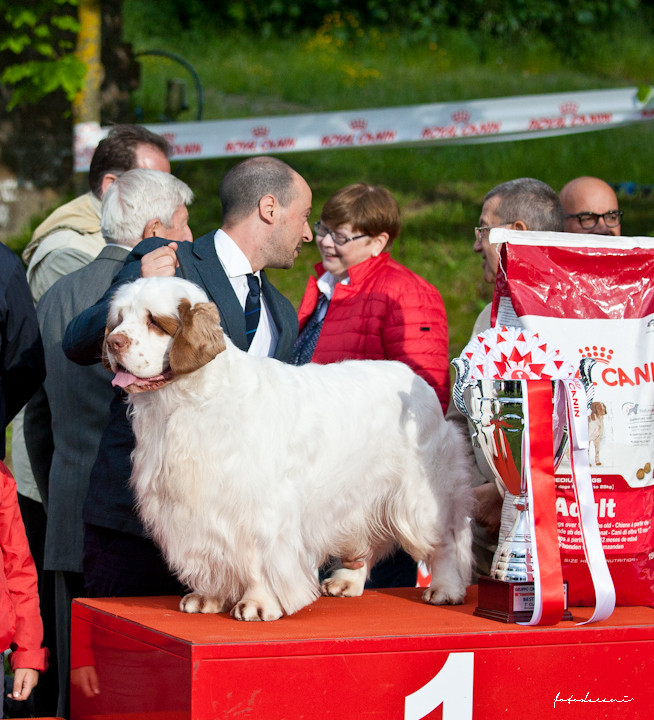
509, 602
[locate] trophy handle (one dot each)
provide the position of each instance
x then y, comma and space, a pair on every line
560, 424
461, 384
462, 367
585, 371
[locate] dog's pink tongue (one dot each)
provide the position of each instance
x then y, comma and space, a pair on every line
123, 379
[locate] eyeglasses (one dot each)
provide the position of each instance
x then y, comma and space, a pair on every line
483, 231
589, 220
338, 238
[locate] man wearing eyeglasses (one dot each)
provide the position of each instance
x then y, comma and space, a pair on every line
591, 207
521, 204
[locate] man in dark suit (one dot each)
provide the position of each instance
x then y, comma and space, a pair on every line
21, 353
65, 420
266, 208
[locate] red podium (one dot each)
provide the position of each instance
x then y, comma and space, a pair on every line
383, 655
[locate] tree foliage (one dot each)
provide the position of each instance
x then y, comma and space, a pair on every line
37, 44
562, 21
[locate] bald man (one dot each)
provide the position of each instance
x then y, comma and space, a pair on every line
590, 206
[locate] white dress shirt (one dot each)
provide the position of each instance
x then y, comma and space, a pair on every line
237, 266
326, 284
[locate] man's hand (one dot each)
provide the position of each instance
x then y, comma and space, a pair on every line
488, 512
24, 681
160, 262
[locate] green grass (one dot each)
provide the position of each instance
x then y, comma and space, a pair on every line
440, 188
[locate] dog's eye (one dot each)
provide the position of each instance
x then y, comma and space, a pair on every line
152, 322
162, 324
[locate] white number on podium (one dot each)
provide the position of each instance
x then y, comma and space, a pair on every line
451, 688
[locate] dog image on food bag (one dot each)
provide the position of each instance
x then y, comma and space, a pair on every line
250, 473
596, 429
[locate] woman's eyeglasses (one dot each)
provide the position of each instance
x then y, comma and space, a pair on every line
338, 238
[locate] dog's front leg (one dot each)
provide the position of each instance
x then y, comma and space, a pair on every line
258, 601
257, 604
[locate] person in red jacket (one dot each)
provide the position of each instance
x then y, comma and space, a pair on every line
364, 305
20, 620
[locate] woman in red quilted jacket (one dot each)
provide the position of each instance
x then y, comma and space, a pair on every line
364, 305
20, 620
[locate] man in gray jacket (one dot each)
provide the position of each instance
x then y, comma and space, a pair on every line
65, 421
520, 204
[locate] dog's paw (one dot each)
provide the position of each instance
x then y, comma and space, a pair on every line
443, 596
196, 603
334, 587
344, 583
252, 610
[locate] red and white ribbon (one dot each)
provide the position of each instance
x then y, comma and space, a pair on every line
538, 470
509, 353
582, 483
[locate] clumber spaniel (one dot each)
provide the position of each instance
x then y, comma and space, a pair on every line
596, 428
250, 473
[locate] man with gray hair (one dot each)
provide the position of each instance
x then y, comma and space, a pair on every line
521, 204
65, 421
68, 239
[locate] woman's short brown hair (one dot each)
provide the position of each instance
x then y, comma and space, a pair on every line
370, 209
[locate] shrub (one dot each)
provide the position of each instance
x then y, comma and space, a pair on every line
564, 22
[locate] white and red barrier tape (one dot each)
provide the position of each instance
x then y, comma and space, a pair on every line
466, 121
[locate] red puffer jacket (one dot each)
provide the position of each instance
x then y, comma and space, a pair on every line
386, 312
20, 621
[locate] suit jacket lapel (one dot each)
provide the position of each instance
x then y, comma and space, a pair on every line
283, 316
199, 263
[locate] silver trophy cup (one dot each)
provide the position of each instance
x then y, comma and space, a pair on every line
495, 409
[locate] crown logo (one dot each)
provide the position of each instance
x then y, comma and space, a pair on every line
260, 131
601, 354
461, 116
358, 124
569, 108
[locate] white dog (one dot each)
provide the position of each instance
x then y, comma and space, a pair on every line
250, 473
596, 428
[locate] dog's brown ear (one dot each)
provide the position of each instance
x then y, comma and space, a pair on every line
198, 339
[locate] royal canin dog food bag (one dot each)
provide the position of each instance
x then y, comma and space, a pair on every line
593, 296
